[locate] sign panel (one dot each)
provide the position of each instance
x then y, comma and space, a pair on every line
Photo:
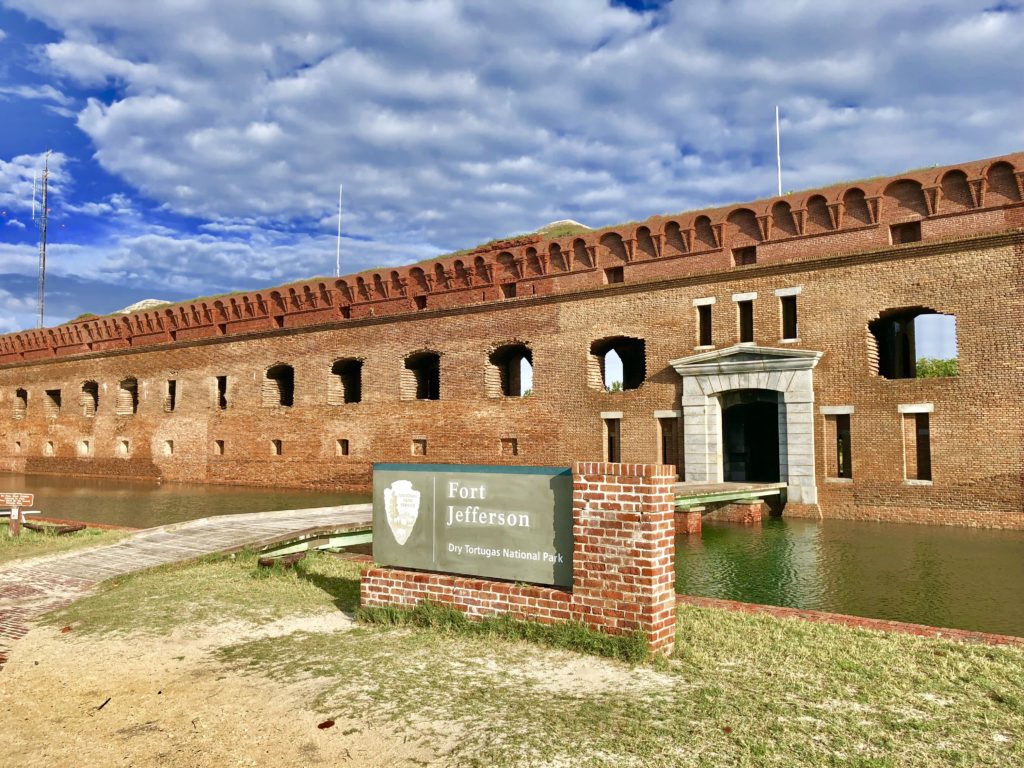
495, 521
19, 500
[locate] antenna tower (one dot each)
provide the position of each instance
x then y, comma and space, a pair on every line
44, 215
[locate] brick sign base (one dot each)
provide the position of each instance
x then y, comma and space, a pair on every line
623, 563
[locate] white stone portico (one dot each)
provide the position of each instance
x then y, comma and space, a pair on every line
710, 375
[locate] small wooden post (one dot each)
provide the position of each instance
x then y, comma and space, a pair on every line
15, 528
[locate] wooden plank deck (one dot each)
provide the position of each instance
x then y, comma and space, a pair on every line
29, 588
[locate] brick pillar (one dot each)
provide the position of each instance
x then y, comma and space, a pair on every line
688, 521
624, 550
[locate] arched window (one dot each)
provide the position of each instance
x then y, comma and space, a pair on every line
279, 386
421, 378
20, 407
127, 397
510, 371
346, 382
617, 362
89, 399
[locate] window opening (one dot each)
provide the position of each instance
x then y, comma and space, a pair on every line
615, 275
419, 446
918, 446
279, 386
89, 399
841, 460
704, 325
509, 446
346, 383
127, 397
52, 403
341, 447
914, 343
218, 447
510, 373
789, 324
613, 440
171, 396
746, 320
422, 377
276, 447
744, 256
617, 363
669, 429
909, 232
222, 392
508, 290
20, 407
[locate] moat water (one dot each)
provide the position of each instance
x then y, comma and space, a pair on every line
937, 575
143, 504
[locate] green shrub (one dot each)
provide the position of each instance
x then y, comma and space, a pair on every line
933, 368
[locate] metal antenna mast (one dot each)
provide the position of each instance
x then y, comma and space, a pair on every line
778, 148
44, 215
337, 257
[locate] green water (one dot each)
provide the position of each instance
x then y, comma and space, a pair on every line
938, 575
942, 576
142, 505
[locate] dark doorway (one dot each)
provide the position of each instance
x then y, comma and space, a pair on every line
750, 434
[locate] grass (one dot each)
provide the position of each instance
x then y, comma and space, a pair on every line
217, 588
32, 544
569, 635
740, 690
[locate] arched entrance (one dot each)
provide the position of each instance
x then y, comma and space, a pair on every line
750, 432
711, 378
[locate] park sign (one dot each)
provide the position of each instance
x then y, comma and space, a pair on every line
16, 500
498, 522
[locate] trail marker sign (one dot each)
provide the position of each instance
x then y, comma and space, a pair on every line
16, 500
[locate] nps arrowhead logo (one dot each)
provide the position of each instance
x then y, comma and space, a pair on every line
402, 507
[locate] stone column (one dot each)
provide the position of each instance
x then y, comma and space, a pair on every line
799, 403
702, 434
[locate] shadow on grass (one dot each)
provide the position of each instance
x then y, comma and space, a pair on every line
344, 590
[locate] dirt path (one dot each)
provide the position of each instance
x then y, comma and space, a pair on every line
164, 701
32, 587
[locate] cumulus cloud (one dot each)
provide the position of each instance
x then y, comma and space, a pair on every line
15, 311
36, 92
453, 122
17, 176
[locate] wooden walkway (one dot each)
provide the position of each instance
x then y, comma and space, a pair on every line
32, 587
698, 494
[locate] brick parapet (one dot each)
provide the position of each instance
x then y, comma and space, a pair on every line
623, 563
659, 247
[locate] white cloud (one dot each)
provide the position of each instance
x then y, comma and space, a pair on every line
37, 92
16, 312
451, 123
18, 173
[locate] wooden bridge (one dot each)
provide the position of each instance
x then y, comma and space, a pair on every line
690, 495
32, 587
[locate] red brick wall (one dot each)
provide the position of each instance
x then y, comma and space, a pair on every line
847, 275
623, 563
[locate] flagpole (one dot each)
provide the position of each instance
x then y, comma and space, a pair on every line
337, 258
778, 147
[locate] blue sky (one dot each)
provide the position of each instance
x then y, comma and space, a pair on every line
198, 147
